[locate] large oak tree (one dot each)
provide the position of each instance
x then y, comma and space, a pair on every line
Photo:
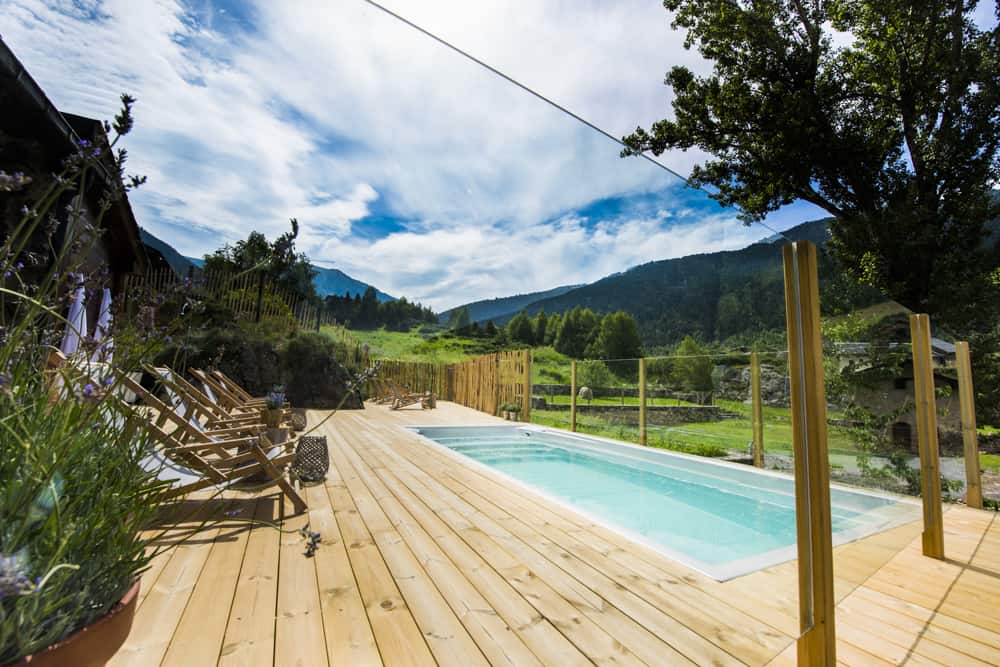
882, 112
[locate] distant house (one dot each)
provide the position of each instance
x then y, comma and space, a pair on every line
35, 138
883, 393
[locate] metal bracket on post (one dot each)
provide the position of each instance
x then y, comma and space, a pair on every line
967, 403
756, 411
927, 437
817, 643
642, 401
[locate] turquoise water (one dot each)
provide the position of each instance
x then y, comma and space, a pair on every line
724, 519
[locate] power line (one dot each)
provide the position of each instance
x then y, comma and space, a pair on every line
547, 100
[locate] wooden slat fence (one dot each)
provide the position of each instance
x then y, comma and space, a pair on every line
417, 376
487, 382
483, 383
250, 295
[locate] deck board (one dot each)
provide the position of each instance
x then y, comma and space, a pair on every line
426, 560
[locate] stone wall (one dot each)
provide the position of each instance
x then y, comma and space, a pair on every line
658, 415
733, 383
627, 392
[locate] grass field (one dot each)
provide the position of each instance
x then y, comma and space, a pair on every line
437, 346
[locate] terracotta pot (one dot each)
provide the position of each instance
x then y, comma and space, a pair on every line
94, 645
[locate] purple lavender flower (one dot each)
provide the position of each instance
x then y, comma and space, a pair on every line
14, 580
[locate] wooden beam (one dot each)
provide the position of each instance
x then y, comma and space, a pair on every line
967, 403
572, 395
642, 401
756, 411
927, 437
817, 643
526, 392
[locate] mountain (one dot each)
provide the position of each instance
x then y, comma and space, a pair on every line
335, 281
487, 309
711, 296
327, 281
178, 262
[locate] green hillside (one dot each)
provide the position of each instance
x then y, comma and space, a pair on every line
712, 296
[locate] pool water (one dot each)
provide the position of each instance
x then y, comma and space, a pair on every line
723, 519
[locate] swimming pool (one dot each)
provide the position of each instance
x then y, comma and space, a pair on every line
721, 518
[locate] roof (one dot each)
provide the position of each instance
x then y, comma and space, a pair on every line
50, 135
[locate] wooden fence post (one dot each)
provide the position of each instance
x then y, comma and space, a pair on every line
572, 395
642, 401
927, 440
967, 402
260, 297
816, 645
526, 398
756, 411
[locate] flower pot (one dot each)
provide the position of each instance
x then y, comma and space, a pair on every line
94, 645
271, 417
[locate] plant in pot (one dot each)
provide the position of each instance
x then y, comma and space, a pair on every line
75, 494
274, 406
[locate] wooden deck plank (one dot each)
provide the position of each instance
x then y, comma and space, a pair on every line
160, 614
446, 636
298, 632
249, 638
349, 637
399, 640
497, 639
689, 608
439, 543
427, 560
198, 638
524, 566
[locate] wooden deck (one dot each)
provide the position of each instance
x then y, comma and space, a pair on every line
425, 560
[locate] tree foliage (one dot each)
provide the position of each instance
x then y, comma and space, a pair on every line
520, 329
279, 261
692, 367
364, 311
895, 135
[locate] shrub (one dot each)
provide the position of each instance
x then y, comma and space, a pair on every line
314, 377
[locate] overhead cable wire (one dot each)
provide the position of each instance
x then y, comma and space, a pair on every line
531, 91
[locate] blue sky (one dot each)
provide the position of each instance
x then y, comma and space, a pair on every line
407, 167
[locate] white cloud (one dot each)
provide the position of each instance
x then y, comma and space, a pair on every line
329, 108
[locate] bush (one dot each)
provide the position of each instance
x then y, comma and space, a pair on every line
314, 377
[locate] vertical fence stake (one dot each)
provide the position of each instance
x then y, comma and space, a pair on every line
927, 440
526, 399
642, 401
260, 297
816, 645
572, 395
967, 402
756, 411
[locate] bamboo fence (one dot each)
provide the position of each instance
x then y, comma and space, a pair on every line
484, 383
250, 295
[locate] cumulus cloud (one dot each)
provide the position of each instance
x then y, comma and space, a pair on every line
251, 113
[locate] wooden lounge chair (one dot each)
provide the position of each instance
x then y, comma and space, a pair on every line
220, 457
191, 403
402, 398
234, 388
219, 394
383, 393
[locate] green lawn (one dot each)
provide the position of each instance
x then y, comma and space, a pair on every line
726, 435
990, 462
437, 346
614, 400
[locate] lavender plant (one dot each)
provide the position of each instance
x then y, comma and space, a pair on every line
74, 495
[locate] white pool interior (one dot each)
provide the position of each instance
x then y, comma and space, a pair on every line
723, 519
